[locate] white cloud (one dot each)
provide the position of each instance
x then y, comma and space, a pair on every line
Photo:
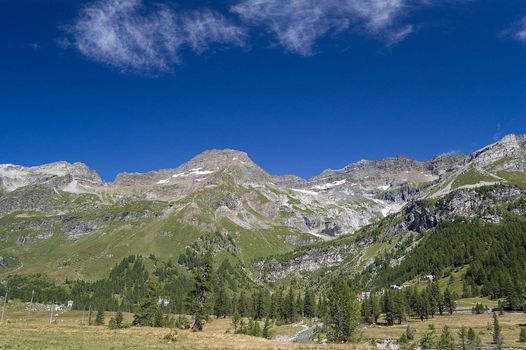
128, 35
521, 31
137, 36
298, 24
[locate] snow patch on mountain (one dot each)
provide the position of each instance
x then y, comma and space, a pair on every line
191, 172
329, 185
312, 193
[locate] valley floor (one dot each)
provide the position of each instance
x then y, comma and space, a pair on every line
68, 332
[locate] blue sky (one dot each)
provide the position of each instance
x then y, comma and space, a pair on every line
300, 85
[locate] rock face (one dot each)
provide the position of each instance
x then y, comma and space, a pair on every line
506, 154
13, 177
272, 270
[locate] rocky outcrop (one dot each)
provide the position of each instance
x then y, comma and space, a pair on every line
507, 154
403, 193
314, 259
15, 176
74, 228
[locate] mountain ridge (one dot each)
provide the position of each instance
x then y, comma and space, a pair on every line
65, 210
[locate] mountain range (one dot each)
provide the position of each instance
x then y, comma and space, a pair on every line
62, 219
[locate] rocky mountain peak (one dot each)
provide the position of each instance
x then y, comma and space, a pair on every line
219, 159
509, 153
16, 176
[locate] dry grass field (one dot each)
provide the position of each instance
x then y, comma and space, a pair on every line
35, 332
511, 324
21, 331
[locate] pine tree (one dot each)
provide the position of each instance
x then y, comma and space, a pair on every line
343, 313
449, 301
274, 306
250, 327
428, 341
299, 306
309, 304
399, 307
266, 329
235, 320
474, 342
463, 333
242, 327
433, 296
376, 309
259, 305
256, 329
321, 308
200, 294
410, 332
389, 308
497, 332
145, 311
99, 319
422, 306
119, 318
242, 305
446, 340
222, 303
290, 306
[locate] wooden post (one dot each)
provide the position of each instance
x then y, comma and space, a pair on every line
30, 303
51, 313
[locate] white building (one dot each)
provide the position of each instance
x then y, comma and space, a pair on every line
163, 301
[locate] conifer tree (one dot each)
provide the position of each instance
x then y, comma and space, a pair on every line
522, 336
236, 318
242, 305
410, 332
148, 312
256, 329
299, 306
309, 304
449, 301
222, 303
474, 342
343, 313
321, 307
119, 318
99, 319
497, 332
266, 329
428, 341
446, 340
200, 294
259, 305
290, 306
463, 333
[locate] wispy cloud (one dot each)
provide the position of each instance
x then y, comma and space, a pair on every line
450, 153
128, 35
299, 24
137, 36
520, 32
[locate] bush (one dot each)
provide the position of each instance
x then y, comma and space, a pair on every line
479, 309
116, 322
182, 322
171, 336
99, 320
